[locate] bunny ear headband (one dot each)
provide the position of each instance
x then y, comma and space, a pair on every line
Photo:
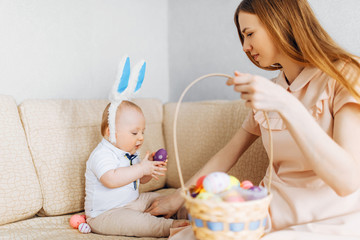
126, 85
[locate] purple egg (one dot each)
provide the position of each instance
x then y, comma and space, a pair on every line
160, 155
257, 192
255, 189
194, 195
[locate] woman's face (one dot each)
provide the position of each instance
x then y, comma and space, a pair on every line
257, 40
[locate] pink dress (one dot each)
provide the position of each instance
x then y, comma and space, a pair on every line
302, 201
303, 206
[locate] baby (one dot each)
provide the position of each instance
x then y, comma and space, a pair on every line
113, 205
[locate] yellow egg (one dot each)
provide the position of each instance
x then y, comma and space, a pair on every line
204, 195
234, 182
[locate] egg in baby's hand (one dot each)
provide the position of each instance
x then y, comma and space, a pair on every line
160, 155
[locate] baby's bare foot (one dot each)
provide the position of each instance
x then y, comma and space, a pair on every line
180, 223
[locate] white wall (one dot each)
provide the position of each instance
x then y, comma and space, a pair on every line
71, 48
341, 20
203, 39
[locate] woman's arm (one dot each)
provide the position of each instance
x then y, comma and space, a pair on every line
221, 161
226, 158
335, 160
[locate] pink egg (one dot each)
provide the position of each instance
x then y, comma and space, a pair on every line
76, 220
246, 184
232, 195
234, 198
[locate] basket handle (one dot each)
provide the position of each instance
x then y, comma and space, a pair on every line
175, 125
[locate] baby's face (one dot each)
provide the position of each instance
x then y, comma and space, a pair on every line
130, 127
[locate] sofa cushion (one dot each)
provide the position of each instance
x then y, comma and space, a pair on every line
56, 228
53, 228
20, 195
203, 129
62, 134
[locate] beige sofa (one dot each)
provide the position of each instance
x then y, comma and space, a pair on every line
44, 145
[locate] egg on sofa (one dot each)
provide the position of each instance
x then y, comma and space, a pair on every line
76, 220
84, 228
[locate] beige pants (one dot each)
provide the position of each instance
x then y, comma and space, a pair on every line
131, 220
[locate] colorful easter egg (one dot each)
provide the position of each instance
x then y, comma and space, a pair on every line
160, 155
194, 191
254, 193
246, 184
199, 182
232, 196
76, 220
204, 195
216, 197
84, 228
216, 182
234, 182
257, 189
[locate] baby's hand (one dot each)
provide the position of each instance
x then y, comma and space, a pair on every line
152, 168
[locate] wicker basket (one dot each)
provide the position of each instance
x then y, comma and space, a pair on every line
224, 220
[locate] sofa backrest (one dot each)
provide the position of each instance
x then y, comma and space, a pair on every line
61, 135
203, 128
20, 194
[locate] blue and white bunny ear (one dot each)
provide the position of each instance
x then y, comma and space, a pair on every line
140, 70
126, 85
136, 79
122, 80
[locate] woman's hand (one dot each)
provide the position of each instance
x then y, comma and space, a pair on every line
260, 93
166, 205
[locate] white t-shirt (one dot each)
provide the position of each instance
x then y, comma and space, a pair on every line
99, 198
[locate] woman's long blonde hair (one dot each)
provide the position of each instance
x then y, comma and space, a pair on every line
293, 25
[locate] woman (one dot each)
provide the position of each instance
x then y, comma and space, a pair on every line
314, 118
